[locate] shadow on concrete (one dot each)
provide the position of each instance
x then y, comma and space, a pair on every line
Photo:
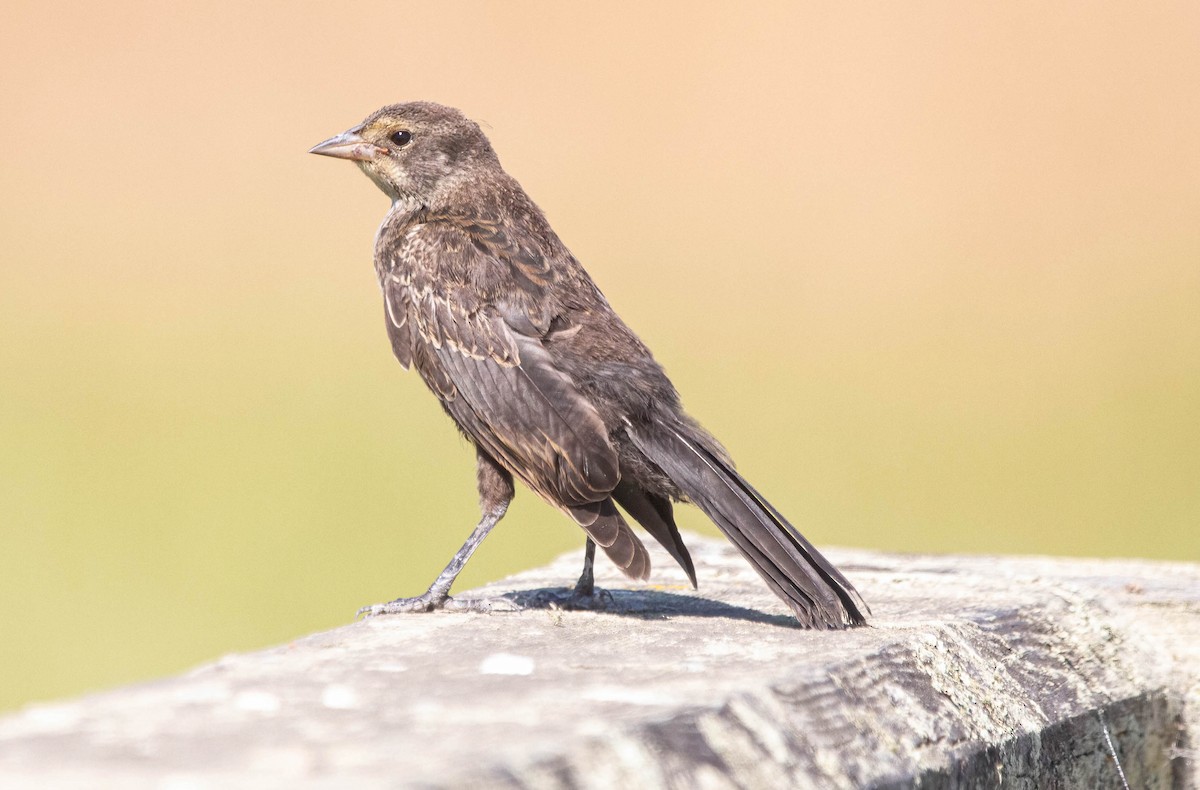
642, 604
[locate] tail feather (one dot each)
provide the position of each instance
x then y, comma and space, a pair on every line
604, 525
654, 514
833, 577
817, 592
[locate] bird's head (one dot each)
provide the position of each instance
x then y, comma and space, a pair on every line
414, 152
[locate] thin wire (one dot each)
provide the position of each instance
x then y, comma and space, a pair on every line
1111, 749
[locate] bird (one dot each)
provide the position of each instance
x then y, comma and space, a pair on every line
541, 375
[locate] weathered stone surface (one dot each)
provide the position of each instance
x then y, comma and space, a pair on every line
975, 672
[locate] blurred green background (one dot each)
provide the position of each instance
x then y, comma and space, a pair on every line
931, 272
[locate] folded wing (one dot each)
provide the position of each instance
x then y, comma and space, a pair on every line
502, 388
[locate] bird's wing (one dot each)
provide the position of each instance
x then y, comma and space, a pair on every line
504, 390
484, 357
399, 332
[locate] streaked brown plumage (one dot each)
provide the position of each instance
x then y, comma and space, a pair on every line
528, 358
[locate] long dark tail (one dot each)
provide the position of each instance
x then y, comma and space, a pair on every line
816, 591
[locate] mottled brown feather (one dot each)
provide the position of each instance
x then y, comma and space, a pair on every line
508, 394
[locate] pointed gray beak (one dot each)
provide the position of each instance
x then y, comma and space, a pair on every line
348, 145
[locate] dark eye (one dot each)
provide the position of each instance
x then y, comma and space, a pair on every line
401, 137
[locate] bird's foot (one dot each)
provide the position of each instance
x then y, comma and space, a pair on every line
580, 598
432, 602
428, 602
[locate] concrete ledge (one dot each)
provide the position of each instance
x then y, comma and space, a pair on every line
976, 672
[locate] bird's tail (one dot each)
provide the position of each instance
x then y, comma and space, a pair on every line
816, 591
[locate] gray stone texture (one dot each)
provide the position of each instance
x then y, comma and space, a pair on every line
975, 672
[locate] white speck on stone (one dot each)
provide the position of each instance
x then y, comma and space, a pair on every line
53, 718
257, 701
629, 696
339, 696
506, 664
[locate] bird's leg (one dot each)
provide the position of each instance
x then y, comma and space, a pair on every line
438, 594
495, 492
584, 596
586, 586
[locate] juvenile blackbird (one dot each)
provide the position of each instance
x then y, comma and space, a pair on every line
537, 370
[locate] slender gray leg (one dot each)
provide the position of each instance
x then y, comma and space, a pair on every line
586, 585
584, 596
438, 594
495, 492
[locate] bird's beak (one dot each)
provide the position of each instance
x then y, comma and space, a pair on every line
348, 145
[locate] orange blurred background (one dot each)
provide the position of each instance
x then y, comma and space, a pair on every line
932, 274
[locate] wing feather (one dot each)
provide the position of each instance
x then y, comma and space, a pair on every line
497, 380
486, 360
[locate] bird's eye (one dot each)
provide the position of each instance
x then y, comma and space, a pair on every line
401, 138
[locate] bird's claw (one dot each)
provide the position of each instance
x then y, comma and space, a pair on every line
576, 599
421, 603
432, 603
